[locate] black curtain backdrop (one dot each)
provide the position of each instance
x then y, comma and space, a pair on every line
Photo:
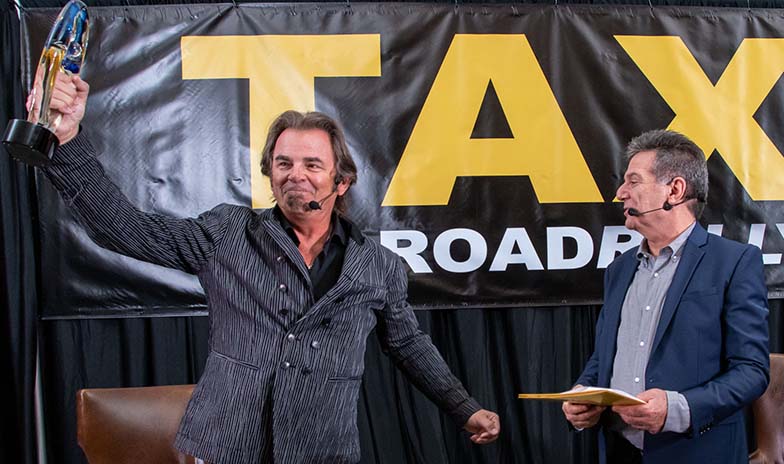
18, 295
497, 353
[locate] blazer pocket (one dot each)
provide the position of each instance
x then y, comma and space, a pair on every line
235, 360
700, 293
343, 378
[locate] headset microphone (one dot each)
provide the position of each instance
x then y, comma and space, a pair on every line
666, 207
314, 205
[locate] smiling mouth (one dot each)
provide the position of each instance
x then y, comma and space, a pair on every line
296, 192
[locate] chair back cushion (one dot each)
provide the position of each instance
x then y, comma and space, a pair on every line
131, 425
768, 412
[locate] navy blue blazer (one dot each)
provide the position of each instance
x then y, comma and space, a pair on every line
711, 345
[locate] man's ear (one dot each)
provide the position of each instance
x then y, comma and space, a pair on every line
342, 185
677, 189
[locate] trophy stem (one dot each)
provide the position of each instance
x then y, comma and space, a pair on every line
50, 62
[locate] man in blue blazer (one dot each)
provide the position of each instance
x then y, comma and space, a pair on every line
684, 322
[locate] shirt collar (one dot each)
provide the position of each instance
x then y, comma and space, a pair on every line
338, 227
673, 249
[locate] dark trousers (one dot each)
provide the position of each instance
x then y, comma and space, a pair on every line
620, 451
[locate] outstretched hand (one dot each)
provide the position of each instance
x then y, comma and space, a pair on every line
484, 425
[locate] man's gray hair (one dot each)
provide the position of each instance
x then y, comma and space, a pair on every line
676, 156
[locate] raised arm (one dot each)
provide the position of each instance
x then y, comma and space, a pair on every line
107, 215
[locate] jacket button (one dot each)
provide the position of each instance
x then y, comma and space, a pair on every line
306, 371
285, 365
291, 337
282, 288
325, 322
280, 259
315, 344
284, 311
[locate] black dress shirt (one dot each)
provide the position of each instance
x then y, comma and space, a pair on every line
325, 269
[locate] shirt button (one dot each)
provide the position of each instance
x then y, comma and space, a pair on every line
282, 288
285, 365
642, 343
647, 308
315, 344
656, 274
291, 337
280, 259
675, 258
636, 380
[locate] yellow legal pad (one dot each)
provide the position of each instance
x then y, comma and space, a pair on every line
589, 395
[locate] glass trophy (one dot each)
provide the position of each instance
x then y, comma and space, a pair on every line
33, 141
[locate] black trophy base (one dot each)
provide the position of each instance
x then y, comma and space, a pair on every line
29, 143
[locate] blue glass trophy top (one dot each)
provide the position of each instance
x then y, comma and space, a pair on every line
69, 34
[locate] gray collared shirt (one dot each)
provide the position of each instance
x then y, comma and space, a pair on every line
639, 318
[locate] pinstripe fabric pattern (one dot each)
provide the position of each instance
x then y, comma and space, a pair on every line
283, 370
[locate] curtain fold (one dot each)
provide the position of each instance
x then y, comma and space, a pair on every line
18, 304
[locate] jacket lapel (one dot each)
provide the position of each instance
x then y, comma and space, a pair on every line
355, 263
272, 227
690, 259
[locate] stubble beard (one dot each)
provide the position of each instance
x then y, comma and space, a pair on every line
296, 203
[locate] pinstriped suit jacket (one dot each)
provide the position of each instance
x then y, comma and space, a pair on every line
283, 370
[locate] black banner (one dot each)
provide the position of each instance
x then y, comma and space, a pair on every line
488, 139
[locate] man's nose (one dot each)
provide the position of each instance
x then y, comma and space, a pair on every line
622, 192
297, 173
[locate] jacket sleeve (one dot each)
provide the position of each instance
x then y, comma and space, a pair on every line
114, 223
414, 353
746, 352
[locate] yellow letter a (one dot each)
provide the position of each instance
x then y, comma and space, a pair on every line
441, 149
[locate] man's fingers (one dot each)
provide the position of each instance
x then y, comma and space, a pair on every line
576, 408
584, 415
81, 86
483, 438
631, 411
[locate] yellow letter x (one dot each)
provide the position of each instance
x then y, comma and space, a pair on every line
720, 117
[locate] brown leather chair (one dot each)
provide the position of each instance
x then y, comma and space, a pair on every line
769, 417
131, 425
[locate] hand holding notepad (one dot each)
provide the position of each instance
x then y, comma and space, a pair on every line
588, 395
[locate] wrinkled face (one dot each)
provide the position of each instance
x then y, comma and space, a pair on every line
641, 191
303, 170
